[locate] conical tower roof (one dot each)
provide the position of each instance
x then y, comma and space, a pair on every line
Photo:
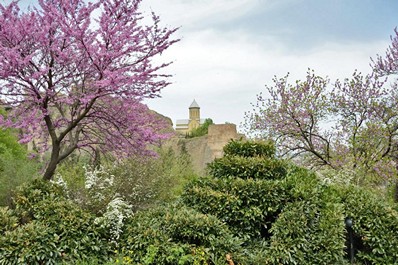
194, 104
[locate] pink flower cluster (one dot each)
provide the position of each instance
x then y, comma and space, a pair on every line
76, 80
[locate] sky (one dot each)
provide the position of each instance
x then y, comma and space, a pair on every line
231, 49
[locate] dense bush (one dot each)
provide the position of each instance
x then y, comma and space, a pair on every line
177, 235
27, 198
250, 149
247, 167
375, 225
292, 217
141, 182
308, 232
8, 221
247, 206
15, 167
51, 228
288, 215
33, 243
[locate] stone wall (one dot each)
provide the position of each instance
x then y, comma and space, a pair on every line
205, 149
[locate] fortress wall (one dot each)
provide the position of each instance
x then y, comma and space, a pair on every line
218, 136
205, 149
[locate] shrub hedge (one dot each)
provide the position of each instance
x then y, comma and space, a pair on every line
8, 221
51, 228
177, 235
265, 149
375, 225
283, 215
247, 206
33, 243
308, 232
247, 167
286, 215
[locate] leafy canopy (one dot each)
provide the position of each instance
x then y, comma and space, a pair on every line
75, 80
350, 124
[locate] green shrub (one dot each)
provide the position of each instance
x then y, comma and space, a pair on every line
33, 243
265, 149
286, 214
9, 143
375, 226
15, 167
79, 236
247, 167
247, 206
177, 235
8, 221
52, 227
141, 182
72, 173
14, 173
308, 233
201, 130
301, 183
145, 182
28, 196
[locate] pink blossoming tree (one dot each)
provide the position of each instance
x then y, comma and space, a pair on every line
75, 74
349, 125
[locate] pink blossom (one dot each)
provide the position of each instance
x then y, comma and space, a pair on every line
77, 84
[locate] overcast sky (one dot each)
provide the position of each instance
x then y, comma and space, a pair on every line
230, 49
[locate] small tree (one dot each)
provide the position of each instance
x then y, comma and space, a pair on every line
76, 80
201, 130
351, 124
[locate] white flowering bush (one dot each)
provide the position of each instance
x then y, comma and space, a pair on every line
116, 212
98, 183
101, 198
59, 180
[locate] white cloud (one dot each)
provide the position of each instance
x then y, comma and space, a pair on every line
224, 71
198, 13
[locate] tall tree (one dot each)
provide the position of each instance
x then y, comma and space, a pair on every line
350, 124
75, 74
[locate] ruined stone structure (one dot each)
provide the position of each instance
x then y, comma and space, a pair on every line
205, 149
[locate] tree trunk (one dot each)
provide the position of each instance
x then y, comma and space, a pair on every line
52, 165
396, 183
97, 158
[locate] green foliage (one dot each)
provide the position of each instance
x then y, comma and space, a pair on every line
33, 243
201, 130
177, 235
247, 206
375, 225
52, 229
248, 159
8, 221
15, 167
141, 182
9, 143
301, 183
176, 171
72, 172
247, 167
308, 232
29, 195
284, 213
242, 148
